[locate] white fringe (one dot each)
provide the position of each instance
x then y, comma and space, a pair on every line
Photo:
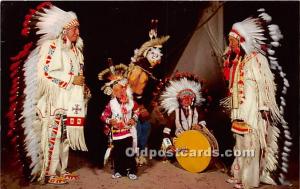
76, 138
226, 103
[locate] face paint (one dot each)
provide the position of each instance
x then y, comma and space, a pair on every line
186, 97
186, 101
119, 92
154, 56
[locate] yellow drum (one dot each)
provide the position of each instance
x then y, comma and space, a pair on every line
194, 149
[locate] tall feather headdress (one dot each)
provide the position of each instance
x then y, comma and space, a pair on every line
180, 82
48, 21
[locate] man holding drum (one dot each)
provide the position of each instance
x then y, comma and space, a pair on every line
182, 95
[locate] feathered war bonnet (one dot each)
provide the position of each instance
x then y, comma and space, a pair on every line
259, 35
48, 21
256, 34
115, 74
177, 87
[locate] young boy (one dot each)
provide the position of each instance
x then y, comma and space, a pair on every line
121, 115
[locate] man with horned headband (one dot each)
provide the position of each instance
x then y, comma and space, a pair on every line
120, 116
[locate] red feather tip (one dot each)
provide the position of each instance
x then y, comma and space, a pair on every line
12, 125
13, 91
32, 11
14, 88
10, 114
25, 32
264, 47
25, 23
12, 98
15, 81
22, 53
13, 74
43, 5
12, 106
10, 133
14, 140
28, 17
14, 66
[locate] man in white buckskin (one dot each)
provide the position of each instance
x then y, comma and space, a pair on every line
257, 120
59, 93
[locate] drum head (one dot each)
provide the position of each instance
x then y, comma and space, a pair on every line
193, 151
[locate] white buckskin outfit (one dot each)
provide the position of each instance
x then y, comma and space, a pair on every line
61, 105
54, 108
252, 90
